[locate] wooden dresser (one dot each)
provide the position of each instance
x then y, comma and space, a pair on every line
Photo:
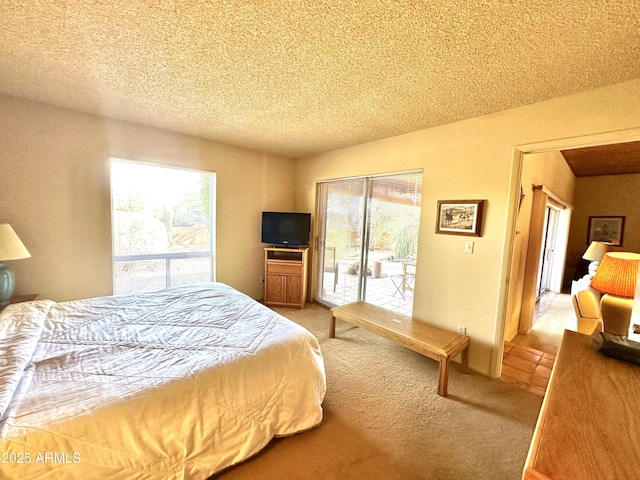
589, 423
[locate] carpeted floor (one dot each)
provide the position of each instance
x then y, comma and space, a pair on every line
384, 419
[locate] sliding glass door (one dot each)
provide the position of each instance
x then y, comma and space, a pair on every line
368, 238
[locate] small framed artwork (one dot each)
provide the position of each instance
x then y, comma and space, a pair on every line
606, 229
460, 217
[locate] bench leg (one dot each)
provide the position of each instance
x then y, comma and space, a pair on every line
443, 381
464, 366
332, 327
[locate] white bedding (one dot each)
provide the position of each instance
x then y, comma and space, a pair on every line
179, 384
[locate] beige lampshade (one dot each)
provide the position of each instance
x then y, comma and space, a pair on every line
11, 248
617, 274
596, 251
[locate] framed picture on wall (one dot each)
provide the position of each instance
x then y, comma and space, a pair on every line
606, 229
460, 217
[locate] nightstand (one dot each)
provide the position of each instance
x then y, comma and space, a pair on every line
20, 299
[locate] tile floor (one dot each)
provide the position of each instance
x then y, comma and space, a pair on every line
530, 367
527, 367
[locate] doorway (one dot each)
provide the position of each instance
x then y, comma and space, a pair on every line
536, 315
545, 253
612, 145
535, 302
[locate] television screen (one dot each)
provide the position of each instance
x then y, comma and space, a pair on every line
286, 228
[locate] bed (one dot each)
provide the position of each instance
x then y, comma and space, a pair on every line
180, 383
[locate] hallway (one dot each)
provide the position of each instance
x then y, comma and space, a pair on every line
528, 359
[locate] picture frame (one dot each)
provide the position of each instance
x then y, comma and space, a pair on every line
460, 217
608, 229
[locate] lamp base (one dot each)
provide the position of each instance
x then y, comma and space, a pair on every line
616, 314
7, 283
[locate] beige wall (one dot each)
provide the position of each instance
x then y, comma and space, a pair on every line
54, 191
551, 170
605, 195
468, 160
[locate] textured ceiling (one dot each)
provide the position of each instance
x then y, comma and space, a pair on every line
301, 77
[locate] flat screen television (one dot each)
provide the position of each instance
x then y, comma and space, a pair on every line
286, 228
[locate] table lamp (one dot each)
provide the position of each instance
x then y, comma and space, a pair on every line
595, 253
11, 248
616, 277
634, 328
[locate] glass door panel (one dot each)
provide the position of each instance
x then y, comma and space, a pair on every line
393, 218
341, 228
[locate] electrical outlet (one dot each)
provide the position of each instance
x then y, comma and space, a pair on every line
462, 329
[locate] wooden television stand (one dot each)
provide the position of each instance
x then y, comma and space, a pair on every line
285, 276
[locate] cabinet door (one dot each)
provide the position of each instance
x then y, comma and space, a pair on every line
293, 292
275, 288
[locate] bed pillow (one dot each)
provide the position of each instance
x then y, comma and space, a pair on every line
20, 329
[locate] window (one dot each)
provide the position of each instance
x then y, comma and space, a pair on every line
163, 226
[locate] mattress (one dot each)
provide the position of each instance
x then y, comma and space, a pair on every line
180, 383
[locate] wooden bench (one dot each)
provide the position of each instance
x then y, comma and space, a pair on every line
431, 341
